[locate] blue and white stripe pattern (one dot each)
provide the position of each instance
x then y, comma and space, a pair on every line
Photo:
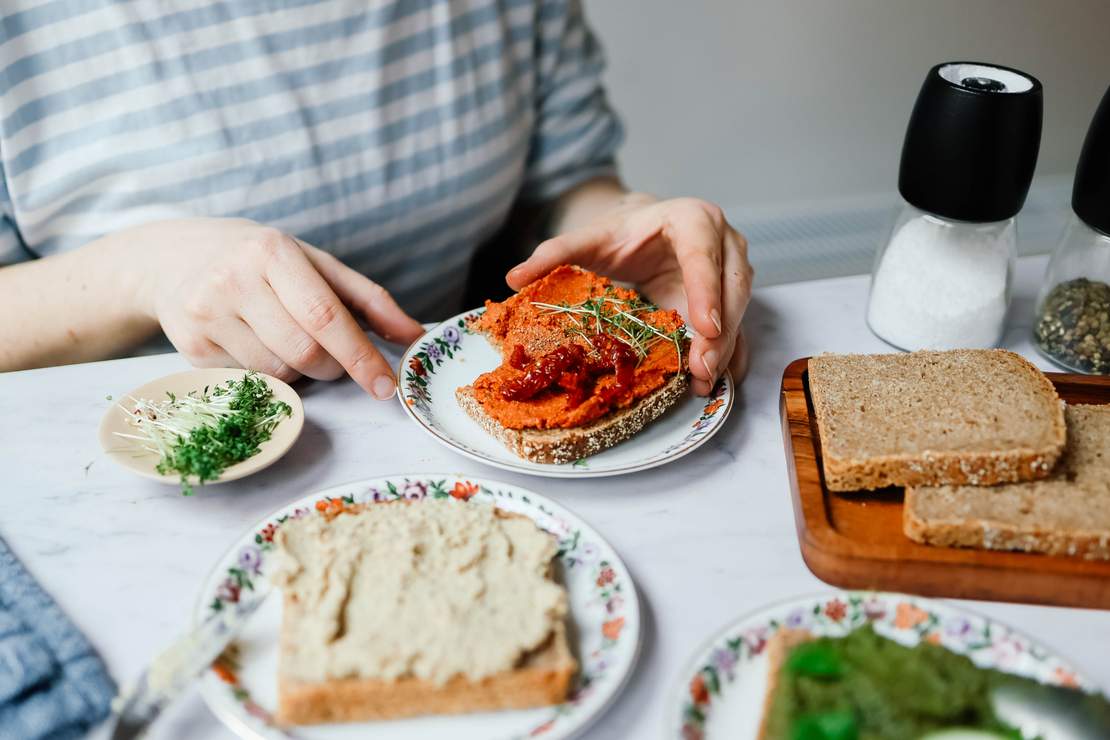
395, 134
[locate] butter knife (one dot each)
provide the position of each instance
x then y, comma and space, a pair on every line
178, 666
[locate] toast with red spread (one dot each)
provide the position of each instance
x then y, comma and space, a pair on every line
585, 365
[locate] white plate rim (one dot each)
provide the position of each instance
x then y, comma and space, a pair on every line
225, 710
550, 470
678, 691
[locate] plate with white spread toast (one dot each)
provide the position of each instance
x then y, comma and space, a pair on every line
572, 377
422, 606
776, 673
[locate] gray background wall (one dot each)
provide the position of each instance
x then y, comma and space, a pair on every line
769, 104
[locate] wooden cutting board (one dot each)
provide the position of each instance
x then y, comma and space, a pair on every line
855, 540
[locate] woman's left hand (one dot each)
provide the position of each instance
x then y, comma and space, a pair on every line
680, 253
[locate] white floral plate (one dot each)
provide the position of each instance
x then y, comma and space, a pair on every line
722, 690
604, 614
450, 356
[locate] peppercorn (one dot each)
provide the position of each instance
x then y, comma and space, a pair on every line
1073, 325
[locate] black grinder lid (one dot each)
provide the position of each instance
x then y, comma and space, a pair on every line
972, 142
1090, 196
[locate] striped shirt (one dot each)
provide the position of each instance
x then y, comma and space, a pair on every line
395, 134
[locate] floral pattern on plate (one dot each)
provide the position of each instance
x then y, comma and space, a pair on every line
451, 355
732, 657
601, 594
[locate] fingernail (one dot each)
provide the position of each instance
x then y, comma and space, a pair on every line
383, 387
715, 317
709, 361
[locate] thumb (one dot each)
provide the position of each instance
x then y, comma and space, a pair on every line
578, 247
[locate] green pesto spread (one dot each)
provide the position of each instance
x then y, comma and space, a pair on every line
866, 687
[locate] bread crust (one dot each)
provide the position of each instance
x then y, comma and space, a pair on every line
778, 647
557, 446
543, 678
935, 468
996, 535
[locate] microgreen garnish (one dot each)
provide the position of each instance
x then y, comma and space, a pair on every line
203, 433
618, 318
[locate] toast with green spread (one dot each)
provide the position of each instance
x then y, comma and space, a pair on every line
866, 687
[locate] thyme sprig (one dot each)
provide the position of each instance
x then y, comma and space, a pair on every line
204, 432
618, 318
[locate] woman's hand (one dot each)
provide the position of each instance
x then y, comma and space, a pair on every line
682, 254
230, 292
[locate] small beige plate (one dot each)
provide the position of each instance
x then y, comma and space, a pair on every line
126, 453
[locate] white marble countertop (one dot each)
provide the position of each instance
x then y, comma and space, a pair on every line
707, 538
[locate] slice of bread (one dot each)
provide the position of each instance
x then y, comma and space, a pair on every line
543, 678
977, 417
551, 430
557, 446
1066, 514
778, 647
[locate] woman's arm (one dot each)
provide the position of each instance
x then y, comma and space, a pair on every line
227, 292
682, 253
73, 307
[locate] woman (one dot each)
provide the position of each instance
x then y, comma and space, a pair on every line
255, 177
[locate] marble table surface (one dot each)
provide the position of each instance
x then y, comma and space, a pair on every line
707, 538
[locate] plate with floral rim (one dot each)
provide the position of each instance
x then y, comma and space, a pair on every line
450, 356
604, 619
722, 689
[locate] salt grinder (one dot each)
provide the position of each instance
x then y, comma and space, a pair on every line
942, 280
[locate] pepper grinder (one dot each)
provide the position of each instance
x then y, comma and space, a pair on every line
1072, 325
942, 280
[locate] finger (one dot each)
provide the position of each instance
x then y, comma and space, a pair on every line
578, 247
737, 365
202, 352
284, 337
741, 357
314, 305
241, 343
711, 355
387, 319
697, 239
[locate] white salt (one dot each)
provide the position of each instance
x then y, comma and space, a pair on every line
943, 285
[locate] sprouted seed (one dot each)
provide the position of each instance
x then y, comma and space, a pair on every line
618, 318
203, 433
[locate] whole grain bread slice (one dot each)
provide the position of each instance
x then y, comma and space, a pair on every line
977, 417
1066, 514
561, 445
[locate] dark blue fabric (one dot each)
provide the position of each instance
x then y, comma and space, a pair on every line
53, 685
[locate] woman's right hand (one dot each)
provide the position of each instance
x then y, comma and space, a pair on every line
231, 292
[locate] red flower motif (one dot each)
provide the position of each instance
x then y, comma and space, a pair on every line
268, 532
606, 576
713, 406
692, 732
464, 490
698, 691
1065, 678
417, 366
756, 640
542, 728
612, 628
836, 609
225, 673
